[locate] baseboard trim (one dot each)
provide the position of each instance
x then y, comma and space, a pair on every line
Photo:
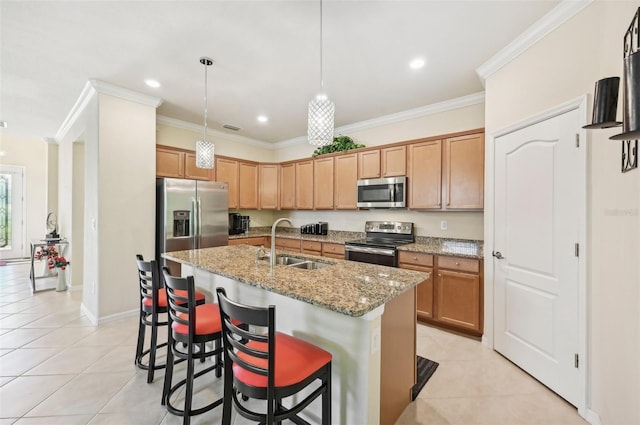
117, 316
106, 319
592, 417
92, 318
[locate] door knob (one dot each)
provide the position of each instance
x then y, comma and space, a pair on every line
498, 255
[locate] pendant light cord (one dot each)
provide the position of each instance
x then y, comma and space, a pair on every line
204, 136
321, 76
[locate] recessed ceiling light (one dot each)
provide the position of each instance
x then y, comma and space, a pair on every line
262, 118
416, 63
152, 83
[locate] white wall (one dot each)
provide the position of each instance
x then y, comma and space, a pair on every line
126, 205
561, 67
31, 153
186, 139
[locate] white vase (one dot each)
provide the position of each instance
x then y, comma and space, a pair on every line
62, 280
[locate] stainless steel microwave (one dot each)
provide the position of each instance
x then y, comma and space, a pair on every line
388, 192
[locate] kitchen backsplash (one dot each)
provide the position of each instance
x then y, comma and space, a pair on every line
460, 225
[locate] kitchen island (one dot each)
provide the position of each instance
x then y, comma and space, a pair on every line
363, 314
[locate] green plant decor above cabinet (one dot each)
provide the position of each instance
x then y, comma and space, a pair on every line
340, 144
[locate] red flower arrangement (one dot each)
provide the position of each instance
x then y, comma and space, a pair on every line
54, 259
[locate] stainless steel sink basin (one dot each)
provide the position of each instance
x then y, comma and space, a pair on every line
288, 261
309, 265
300, 263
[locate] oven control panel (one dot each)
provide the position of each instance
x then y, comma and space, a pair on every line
397, 227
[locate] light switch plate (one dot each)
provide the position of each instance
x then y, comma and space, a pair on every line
444, 225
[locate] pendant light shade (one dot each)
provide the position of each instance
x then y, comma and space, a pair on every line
321, 110
204, 148
320, 126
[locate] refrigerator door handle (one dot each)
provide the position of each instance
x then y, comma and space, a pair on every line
194, 224
199, 206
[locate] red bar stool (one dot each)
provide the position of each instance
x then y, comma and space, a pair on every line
191, 327
153, 302
269, 366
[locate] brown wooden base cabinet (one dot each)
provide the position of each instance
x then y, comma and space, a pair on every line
254, 241
453, 296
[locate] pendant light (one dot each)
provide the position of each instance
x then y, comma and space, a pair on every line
321, 110
205, 149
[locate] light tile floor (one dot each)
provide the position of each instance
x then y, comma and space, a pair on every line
56, 368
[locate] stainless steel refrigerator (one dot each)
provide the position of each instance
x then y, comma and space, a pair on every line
190, 214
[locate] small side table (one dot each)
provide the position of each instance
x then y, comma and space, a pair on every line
39, 243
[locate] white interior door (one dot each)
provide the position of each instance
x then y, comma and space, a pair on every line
12, 243
536, 228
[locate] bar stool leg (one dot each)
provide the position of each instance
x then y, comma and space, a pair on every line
168, 373
152, 350
141, 333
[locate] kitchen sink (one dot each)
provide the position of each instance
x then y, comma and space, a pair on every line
310, 265
300, 263
288, 261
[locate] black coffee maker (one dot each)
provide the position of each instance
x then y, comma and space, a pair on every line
238, 224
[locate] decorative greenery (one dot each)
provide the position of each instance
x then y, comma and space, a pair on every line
340, 144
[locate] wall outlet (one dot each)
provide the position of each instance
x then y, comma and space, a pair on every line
444, 225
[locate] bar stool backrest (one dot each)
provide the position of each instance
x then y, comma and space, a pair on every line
236, 338
181, 301
149, 281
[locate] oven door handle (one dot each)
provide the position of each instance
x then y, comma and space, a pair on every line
369, 250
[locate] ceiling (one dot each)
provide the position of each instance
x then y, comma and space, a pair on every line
266, 53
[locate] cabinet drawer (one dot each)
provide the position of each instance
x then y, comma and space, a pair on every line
312, 246
471, 265
415, 258
291, 244
255, 241
334, 250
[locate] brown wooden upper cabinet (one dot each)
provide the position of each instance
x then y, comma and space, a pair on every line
384, 162
268, 192
304, 185
463, 172
179, 163
345, 193
425, 174
248, 185
323, 173
288, 186
227, 171
447, 174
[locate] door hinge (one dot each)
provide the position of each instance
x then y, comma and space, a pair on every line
577, 249
576, 360
577, 140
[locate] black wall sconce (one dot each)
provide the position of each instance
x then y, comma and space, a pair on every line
605, 101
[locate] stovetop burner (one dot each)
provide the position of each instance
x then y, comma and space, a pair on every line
385, 234
378, 242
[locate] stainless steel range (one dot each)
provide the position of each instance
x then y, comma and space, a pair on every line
381, 242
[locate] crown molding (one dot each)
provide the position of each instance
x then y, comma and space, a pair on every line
76, 110
173, 122
564, 11
435, 108
93, 87
50, 140
116, 91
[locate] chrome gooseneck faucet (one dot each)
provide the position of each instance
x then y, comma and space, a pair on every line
272, 259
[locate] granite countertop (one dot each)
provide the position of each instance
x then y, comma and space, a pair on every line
347, 287
429, 245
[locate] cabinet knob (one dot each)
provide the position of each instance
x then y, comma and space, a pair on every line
457, 263
415, 258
